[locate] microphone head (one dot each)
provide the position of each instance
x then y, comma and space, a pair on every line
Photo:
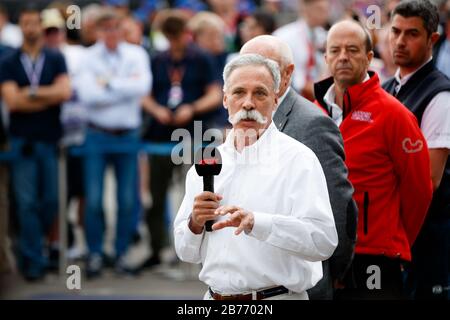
208, 162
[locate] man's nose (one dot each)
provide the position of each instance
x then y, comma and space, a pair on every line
343, 56
400, 42
248, 102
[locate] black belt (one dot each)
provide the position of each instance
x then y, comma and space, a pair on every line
260, 295
115, 132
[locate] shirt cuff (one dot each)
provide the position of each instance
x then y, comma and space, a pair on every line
437, 144
192, 238
262, 227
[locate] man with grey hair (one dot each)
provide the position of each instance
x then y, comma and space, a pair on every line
280, 201
302, 120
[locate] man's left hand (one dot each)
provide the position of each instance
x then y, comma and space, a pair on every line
183, 115
240, 218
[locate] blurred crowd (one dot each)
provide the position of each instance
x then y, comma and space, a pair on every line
134, 71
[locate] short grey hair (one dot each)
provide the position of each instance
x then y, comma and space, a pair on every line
253, 60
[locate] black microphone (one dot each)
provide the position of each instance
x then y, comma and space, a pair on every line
208, 164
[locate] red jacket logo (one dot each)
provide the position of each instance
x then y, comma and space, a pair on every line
410, 147
362, 116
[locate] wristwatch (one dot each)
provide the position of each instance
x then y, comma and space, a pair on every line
32, 92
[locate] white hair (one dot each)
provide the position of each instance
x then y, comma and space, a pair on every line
286, 53
253, 60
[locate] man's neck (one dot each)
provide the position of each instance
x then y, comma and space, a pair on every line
177, 54
282, 96
308, 21
340, 88
32, 49
112, 48
405, 70
339, 94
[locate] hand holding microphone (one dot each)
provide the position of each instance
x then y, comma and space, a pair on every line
203, 212
208, 163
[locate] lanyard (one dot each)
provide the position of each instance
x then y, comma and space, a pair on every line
176, 75
33, 70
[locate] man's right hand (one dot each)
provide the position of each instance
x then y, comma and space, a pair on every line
163, 115
205, 204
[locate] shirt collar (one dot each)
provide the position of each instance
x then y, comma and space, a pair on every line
402, 81
330, 96
105, 50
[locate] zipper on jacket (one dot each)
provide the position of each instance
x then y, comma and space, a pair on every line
346, 106
366, 212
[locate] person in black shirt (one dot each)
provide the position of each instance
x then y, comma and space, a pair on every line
34, 83
185, 89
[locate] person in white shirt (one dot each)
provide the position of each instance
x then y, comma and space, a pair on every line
274, 222
10, 34
306, 36
115, 76
303, 121
425, 91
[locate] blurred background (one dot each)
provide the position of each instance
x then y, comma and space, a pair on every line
160, 61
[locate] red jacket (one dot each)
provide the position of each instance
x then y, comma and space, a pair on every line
389, 167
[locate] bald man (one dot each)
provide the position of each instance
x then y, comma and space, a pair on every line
387, 160
303, 121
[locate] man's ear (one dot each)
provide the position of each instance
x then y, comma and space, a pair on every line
370, 55
289, 71
224, 101
434, 38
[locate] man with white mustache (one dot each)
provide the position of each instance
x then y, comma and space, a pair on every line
273, 219
247, 115
300, 119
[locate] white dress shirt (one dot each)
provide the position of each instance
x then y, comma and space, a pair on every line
443, 59
73, 113
11, 35
128, 74
435, 123
281, 181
